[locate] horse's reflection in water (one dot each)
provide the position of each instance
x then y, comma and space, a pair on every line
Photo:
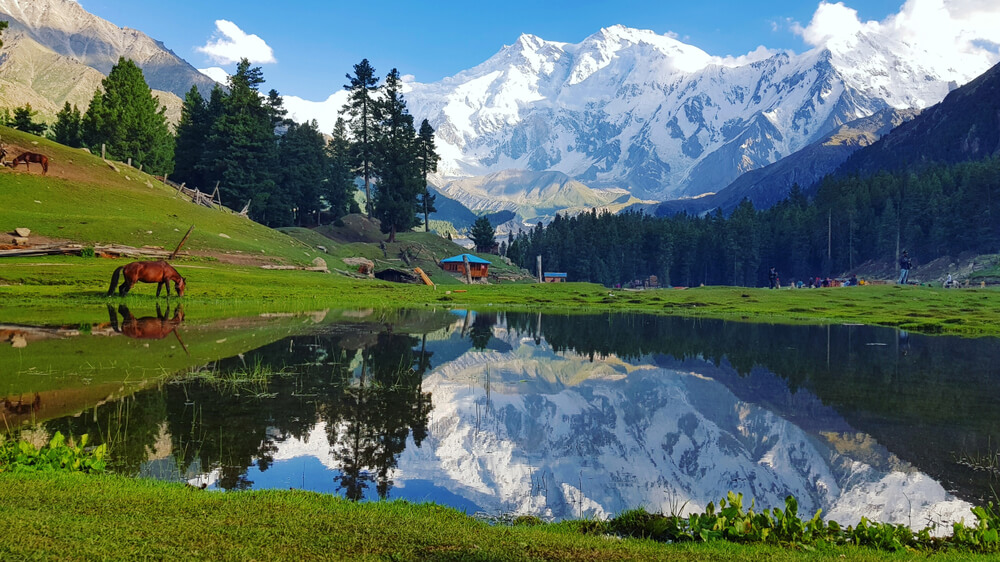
148, 327
22, 407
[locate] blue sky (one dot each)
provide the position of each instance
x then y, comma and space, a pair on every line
315, 43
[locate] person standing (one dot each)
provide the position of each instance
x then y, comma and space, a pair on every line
905, 263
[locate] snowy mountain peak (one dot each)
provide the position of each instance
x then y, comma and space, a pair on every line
634, 109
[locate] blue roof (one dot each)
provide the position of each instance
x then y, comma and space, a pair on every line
458, 259
547, 274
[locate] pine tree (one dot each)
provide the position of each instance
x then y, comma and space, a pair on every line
3, 26
129, 120
241, 148
276, 108
192, 132
362, 108
427, 159
302, 152
482, 234
66, 129
24, 120
339, 189
396, 162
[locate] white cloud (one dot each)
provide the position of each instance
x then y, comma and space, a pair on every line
324, 112
215, 73
232, 44
832, 22
963, 34
758, 54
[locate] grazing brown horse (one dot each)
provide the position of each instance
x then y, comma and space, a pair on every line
148, 327
159, 272
27, 157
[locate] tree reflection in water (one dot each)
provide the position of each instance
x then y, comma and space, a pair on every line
232, 414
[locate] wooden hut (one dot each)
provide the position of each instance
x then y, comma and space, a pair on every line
478, 267
550, 277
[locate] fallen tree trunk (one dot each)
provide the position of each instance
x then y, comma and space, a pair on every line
77, 249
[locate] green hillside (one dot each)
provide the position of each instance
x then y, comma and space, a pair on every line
82, 199
85, 200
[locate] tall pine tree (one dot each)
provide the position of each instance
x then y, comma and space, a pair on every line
129, 120
363, 110
66, 129
483, 234
192, 131
241, 149
427, 159
302, 153
397, 167
339, 189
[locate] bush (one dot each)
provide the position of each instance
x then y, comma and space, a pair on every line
58, 455
784, 527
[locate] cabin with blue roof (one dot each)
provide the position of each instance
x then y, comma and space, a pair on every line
478, 267
551, 277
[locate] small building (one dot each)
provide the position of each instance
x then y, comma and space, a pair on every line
550, 277
478, 267
397, 276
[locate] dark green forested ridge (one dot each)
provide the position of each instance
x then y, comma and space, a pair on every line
964, 126
942, 210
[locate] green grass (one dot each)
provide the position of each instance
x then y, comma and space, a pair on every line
108, 517
82, 199
60, 287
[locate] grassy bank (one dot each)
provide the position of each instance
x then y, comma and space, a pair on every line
62, 287
76, 517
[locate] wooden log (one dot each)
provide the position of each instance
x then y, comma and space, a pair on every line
183, 240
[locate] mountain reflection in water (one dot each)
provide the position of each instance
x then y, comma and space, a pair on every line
580, 416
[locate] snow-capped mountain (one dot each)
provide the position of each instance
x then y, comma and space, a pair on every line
634, 109
629, 108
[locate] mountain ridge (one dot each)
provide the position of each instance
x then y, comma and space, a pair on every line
68, 29
632, 109
964, 126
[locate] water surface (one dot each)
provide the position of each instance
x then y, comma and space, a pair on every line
556, 416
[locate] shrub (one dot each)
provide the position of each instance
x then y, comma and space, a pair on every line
57, 455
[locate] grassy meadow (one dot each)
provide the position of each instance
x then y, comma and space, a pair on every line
60, 288
85, 517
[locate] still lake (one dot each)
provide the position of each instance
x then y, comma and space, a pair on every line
503, 413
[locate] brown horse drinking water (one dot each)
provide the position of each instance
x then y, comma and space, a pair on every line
26, 157
159, 272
